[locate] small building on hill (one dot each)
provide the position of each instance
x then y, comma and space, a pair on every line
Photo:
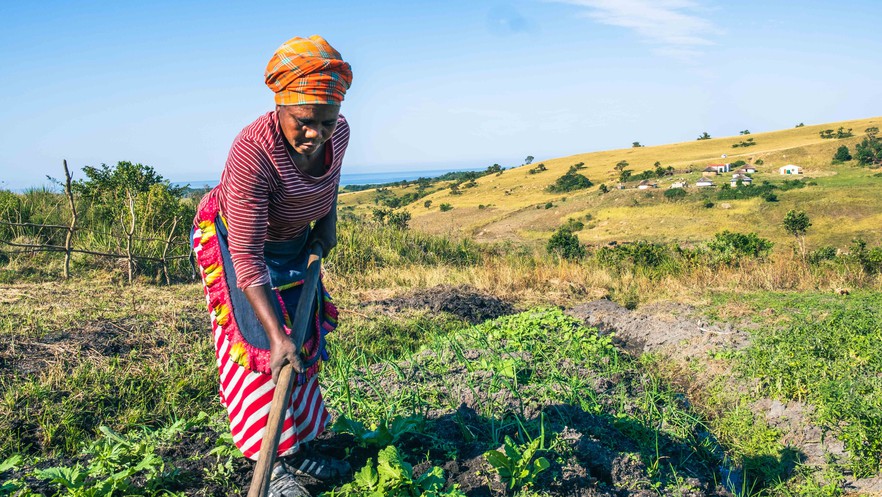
709, 171
743, 178
719, 168
790, 169
704, 182
746, 170
679, 184
646, 184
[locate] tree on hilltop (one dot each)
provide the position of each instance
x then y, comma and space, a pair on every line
528, 160
704, 136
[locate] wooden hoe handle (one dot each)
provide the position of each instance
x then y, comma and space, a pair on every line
273, 432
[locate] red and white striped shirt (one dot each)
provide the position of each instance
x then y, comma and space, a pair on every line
264, 196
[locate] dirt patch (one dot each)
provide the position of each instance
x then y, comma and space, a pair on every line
668, 329
27, 355
462, 301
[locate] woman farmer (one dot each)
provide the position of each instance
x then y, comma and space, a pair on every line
252, 237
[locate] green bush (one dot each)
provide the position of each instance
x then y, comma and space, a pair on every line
565, 244
730, 247
842, 155
640, 254
569, 182
445, 207
826, 253
675, 194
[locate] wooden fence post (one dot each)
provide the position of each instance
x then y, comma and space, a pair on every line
165, 250
68, 240
129, 233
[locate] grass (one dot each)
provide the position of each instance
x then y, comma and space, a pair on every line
842, 204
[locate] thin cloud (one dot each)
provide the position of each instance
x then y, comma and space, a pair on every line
674, 26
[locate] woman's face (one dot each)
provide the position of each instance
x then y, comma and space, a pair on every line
306, 127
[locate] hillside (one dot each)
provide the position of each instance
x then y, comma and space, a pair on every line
842, 201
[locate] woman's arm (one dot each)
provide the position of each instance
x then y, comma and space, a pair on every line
282, 350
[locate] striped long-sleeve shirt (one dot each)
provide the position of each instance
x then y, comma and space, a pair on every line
264, 196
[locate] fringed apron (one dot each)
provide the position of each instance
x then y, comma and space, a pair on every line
241, 344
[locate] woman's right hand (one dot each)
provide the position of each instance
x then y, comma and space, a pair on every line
282, 352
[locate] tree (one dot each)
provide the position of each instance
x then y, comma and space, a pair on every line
872, 131
625, 175
704, 136
869, 152
528, 160
621, 165
797, 223
842, 155
744, 132
636, 145
800, 125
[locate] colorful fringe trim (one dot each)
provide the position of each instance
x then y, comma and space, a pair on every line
217, 293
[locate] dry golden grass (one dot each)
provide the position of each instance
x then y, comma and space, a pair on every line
842, 205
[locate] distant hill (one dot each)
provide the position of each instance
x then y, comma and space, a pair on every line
843, 201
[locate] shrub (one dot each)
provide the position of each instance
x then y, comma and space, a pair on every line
759, 162
675, 194
445, 207
538, 169
641, 254
603, 188
827, 253
565, 244
573, 224
427, 204
549, 205
842, 155
731, 247
569, 182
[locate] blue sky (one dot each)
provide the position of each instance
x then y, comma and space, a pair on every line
436, 84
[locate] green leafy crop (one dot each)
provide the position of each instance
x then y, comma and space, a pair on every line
393, 477
515, 464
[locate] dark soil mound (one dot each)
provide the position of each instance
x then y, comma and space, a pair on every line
462, 301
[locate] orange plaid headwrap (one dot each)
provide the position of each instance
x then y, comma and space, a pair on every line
308, 71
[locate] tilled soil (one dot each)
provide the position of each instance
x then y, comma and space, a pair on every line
464, 302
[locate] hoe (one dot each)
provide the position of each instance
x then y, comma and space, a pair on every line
303, 313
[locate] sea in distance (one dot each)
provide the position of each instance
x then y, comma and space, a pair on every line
359, 178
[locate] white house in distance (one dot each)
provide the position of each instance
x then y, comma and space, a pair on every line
679, 184
645, 185
745, 180
790, 169
704, 182
719, 168
746, 170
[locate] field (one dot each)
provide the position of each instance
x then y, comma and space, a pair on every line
512, 205
471, 361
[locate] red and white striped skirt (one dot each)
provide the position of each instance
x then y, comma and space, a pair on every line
247, 396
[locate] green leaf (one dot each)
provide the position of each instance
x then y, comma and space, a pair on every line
346, 425
497, 459
12, 462
541, 465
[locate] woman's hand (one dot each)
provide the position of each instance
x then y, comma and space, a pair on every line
282, 352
